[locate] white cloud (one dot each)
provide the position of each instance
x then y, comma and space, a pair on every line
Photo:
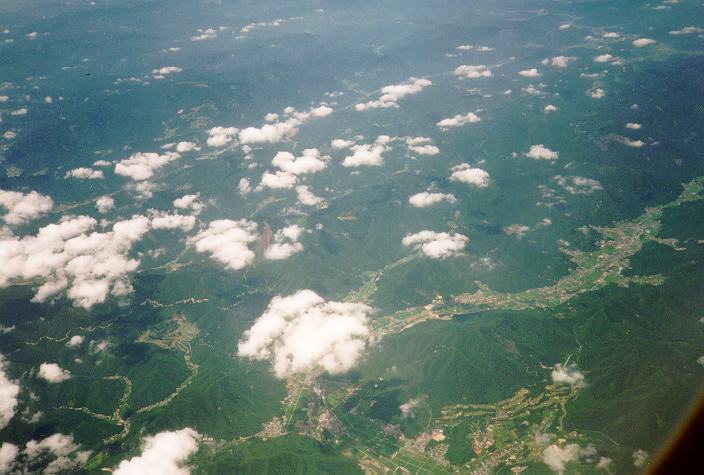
436, 245
421, 146
561, 61
640, 458
308, 198
464, 173
529, 73
102, 163
244, 186
285, 243
557, 457
459, 120
605, 58
164, 220
577, 185
596, 93
567, 375
221, 136
8, 454
183, 147
541, 152
518, 230
309, 162
303, 332
339, 144
687, 30
76, 340
83, 173
550, 108
630, 143
23, 207
278, 180
62, 448
104, 204
227, 242
165, 453
390, 95
141, 165
368, 155
192, 202
164, 71
633, 126
425, 199
9, 390
640, 42
408, 408
473, 72
9, 135
71, 255
21, 111
53, 373
204, 34
283, 129
611, 35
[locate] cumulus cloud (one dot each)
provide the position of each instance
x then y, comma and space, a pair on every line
567, 375
282, 129
303, 332
244, 186
421, 146
541, 152
102, 163
205, 34
390, 95
687, 30
518, 230
71, 255
164, 220
23, 207
633, 126
596, 93
550, 108
577, 185
53, 373
9, 390
165, 71
227, 242
605, 58
560, 61
278, 180
557, 457
629, 142
640, 458
368, 155
83, 173
464, 173
310, 161
339, 144
308, 198
165, 453
473, 71
221, 136
408, 408
8, 454
459, 120
640, 42
142, 165
436, 245
184, 147
104, 204
76, 340
285, 243
191, 202
529, 73
59, 450
425, 199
